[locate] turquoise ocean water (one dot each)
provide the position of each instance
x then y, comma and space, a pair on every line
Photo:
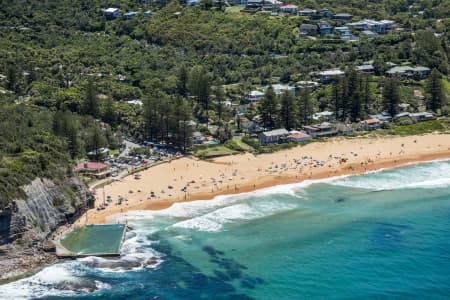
383, 235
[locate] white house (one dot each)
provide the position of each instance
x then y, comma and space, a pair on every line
324, 115
328, 75
281, 88
111, 13
254, 96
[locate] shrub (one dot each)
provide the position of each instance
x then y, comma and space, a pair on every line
57, 202
254, 143
233, 145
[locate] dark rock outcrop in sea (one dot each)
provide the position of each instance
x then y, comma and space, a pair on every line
28, 224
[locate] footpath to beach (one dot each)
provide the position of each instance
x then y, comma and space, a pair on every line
188, 179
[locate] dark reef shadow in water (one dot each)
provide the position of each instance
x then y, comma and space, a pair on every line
388, 236
230, 270
175, 279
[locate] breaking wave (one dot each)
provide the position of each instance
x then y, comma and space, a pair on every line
426, 175
70, 278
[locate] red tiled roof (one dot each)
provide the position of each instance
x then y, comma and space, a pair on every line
299, 135
93, 166
371, 121
290, 6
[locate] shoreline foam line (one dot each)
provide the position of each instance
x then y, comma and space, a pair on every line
247, 172
191, 209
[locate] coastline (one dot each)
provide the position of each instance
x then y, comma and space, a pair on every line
245, 172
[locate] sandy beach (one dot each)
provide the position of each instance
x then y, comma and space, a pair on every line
188, 179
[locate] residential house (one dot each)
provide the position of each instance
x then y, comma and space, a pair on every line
345, 129
237, 2
343, 30
325, 28
349, 38
342, 17
419, 117
307, 12
369, 34
95, 169
322, 130
367, 69
98, 154
135, 102
421, 72
322, 13
289, 9
273, 137
402, 115
383, 117
281, 88
272, 4
312, 85
254, 129
371, 124
130, 15
111, 13
191, 3
197, 138
329, 75
380, 27
423, 116
244, 123
308, 30
324, 116
404, 72
254, 96
252, 4
401, 72
298, 136
404, 106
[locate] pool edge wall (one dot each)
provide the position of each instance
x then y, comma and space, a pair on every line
63, 252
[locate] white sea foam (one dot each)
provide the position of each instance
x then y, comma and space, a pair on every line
215, 220
429, 175
136, 254
192, 209
62, 279
72, 277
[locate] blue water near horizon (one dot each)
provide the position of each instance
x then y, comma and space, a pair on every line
381, 235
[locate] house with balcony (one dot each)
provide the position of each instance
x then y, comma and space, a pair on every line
325, 28
289, 9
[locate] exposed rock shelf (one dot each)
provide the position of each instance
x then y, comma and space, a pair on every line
27, 225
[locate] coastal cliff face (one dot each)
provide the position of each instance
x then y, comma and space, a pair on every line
46, 207
29, 222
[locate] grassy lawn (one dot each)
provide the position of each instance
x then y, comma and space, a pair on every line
234, 9
112, 152
419, 128
213, 151
237, 144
